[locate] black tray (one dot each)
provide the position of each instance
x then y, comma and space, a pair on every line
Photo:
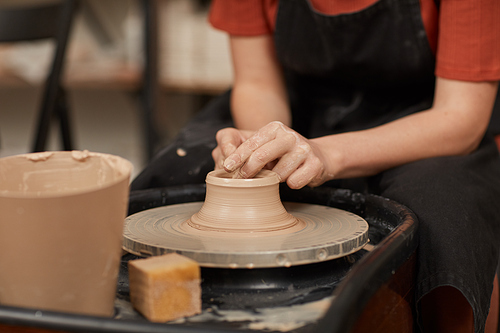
352, 280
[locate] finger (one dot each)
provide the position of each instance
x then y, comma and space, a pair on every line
218, 158
248, 147
228, 139
289, 163
271, 151
271, 165
309, 173
284, 149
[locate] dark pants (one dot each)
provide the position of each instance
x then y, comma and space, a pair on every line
456, 200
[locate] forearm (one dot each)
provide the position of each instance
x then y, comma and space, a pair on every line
453, 126
259, 95
365, 153
253, 106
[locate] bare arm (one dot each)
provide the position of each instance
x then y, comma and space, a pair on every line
454, 125
258, 95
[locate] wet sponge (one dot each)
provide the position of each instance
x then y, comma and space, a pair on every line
166, 287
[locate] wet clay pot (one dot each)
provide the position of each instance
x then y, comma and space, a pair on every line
61, 224
243, 207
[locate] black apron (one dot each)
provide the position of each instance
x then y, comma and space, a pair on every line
358, 70
354, 71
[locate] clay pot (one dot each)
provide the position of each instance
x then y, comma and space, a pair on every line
245, 206
61, 224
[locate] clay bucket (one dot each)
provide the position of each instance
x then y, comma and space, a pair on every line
61, 225
243, 207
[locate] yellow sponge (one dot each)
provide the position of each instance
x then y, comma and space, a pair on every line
165, 287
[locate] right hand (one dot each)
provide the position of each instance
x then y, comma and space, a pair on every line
228, 140
295, 159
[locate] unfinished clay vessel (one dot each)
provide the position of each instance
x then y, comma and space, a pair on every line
243, 224
61, 224
243, 205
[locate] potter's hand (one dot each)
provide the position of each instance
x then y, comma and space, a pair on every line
295, 159
228, 140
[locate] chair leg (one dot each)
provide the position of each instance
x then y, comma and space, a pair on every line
150, 89
54, 105
52, 86
64, 121
44, 118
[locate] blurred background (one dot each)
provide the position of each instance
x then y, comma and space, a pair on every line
104, 76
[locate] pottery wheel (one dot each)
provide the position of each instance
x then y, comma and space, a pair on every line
326, 233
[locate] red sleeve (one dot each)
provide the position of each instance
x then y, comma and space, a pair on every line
240, 17
469, 40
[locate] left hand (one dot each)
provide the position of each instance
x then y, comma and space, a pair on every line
295, 159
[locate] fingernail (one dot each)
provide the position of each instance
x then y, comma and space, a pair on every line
229, 165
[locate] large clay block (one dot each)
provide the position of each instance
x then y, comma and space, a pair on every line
165, 287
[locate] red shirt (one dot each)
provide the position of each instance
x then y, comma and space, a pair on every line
465, 34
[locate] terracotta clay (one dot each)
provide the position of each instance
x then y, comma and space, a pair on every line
243, 205
61, 223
